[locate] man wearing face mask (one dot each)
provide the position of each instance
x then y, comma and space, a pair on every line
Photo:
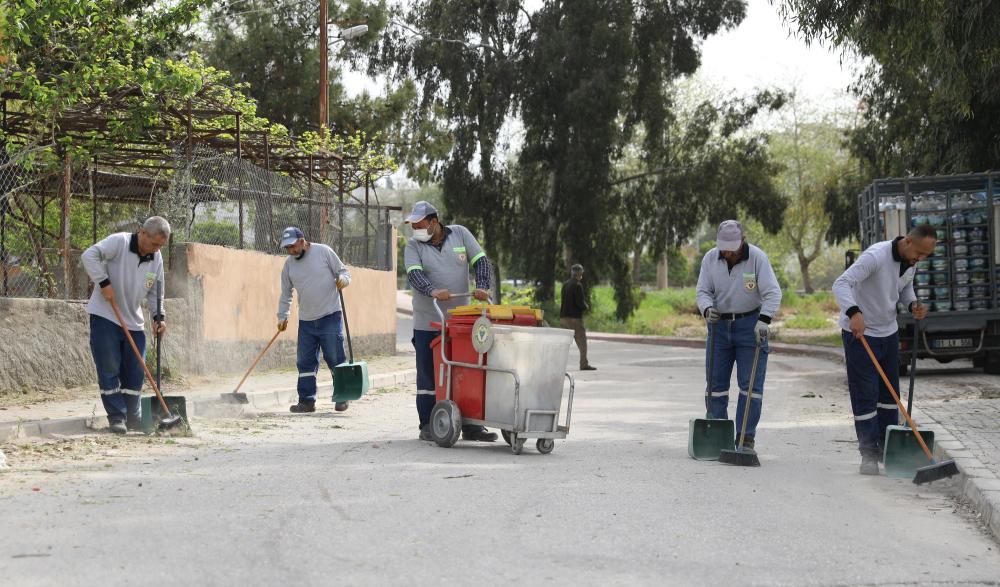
316, 273
738, 294
437, 260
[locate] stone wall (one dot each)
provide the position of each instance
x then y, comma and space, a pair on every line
221, 310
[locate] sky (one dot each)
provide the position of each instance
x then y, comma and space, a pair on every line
762, 52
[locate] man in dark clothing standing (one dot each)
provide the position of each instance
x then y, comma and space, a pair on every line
574, 304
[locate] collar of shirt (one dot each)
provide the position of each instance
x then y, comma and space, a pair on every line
903, 263
744, 255
439, 245
133, 246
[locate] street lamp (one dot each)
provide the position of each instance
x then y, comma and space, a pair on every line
345, 35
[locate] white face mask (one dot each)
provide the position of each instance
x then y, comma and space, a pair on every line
421, 235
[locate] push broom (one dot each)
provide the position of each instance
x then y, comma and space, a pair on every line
934, 471
170, 420
235, 396
741, 457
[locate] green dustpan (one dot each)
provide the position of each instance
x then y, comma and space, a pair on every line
707, 438
350, 379
152, 412
902, 454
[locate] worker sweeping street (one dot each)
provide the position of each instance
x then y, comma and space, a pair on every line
437, 260
315, 272
738, 295
868, 293
125, 268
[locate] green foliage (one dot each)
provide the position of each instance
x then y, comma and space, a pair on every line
928, 93
808, 321
212, 232
585, 78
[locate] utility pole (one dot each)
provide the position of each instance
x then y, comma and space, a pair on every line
324, 68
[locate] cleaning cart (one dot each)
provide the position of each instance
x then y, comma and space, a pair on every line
499, 370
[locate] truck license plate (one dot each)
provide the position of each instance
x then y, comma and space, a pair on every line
951, 343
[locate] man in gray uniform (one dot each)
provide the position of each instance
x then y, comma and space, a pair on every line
867, 294
437, 260
738, 294
124, 267
316, 273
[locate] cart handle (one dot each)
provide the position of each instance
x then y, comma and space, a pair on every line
569, 404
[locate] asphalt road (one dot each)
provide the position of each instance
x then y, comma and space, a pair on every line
355, 498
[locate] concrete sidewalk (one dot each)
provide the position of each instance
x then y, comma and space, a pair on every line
966, 427
265, 391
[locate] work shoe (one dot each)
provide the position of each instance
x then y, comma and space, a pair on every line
588, 368
480, 434
869, 465
303, 407
748, 445
118, 427
425, 433
341, 406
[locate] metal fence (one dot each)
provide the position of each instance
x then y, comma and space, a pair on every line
48, 218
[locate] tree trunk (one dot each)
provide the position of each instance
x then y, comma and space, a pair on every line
662, 281
804, 264
69, 281
637, 265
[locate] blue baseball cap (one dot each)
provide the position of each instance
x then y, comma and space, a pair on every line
290, 236
420, 211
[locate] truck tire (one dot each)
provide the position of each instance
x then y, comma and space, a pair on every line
991, 365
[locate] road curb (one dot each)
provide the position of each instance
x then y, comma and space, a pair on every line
48, 428
978, 483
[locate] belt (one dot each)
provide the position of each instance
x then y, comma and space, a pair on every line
732, 316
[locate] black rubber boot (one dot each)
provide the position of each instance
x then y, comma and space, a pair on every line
303, 407
478, 433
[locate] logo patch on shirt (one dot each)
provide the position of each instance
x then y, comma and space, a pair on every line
150, 280
750, 281
460, 251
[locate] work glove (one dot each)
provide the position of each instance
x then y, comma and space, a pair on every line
761, 331
282, 325
341, 282
712, 315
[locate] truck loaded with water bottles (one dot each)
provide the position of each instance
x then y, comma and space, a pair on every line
959, 283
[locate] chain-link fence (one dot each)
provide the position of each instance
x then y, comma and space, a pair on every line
48, 218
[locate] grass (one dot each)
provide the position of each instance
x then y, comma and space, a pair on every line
805, 319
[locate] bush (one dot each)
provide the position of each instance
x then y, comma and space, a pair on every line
213, 232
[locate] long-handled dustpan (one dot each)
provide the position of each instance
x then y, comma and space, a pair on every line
934, 471
741, 456
350, 379
708, 437
167, 418
235, 396
901, 453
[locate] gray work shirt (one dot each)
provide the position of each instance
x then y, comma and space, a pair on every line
447, 269
133, 277
314, 277
749, 285
874, 284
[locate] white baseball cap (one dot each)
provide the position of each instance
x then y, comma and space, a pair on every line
730, 236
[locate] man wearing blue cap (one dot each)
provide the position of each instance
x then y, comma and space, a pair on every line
437, 260
738, 294
316, 273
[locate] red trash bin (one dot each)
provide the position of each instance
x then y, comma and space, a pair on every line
468, 387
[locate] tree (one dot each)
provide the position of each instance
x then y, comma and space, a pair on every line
928, 96
811, 150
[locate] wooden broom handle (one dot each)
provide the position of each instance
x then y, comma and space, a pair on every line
138, 355
895, 396
257, 360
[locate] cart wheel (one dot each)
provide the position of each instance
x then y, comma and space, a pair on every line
446, 423
545, 445
506, 436
517, 444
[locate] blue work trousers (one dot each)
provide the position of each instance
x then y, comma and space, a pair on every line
734, 342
